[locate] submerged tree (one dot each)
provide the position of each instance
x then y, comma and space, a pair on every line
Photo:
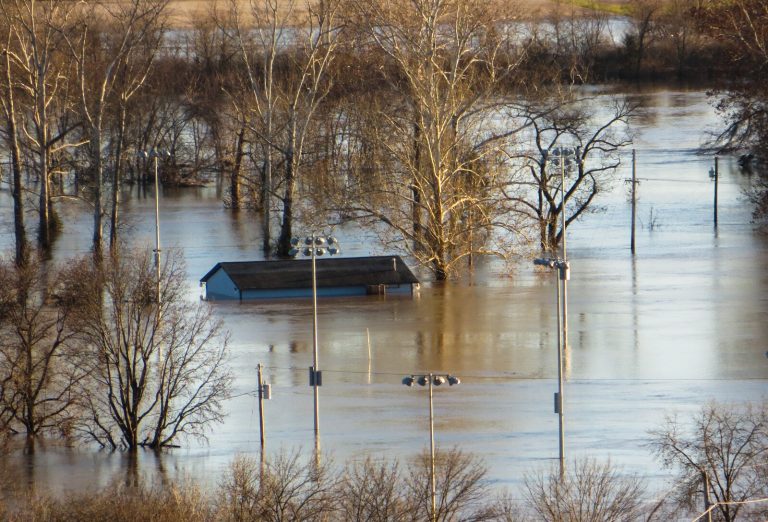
157, 369
39, 71
570, 143
285, 77
10, 134
112, 55
40, 357
435, 182
743, 102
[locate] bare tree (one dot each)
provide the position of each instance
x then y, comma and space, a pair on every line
286, 50
39, 355
721, 458
113, 62
34, 47
217, 72
373, 492
436, 192
589, 492
593, 142
11, 138
643, 15
462, 492
158, 370
279, 490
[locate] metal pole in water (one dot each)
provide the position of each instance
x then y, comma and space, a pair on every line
559, 400
432, 451
634, 199
261, 408
315, 350
157, 230
717, 174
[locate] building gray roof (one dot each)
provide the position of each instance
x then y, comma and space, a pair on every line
331, 272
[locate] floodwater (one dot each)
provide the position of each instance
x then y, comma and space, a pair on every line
682, 322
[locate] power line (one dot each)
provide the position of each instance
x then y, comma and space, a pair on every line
513, 377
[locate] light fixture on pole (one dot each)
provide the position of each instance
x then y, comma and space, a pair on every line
436, 380
156, 154
313, 247
561, 155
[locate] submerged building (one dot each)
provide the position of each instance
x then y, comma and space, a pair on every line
246, 280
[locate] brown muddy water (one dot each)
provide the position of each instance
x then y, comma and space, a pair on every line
683, 321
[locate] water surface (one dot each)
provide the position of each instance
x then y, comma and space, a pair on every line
683, 321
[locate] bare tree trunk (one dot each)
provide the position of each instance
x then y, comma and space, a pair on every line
234, 187
116, 180
286, 227
266, 202
97, 167
266, 198
18, 202
44, 202
417, 232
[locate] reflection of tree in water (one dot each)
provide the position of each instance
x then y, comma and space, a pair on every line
144, 468
443, 342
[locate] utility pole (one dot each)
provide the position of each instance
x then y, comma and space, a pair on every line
261, 407
717, 175
634, 199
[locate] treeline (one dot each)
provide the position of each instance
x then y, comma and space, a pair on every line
434, 122
717, 459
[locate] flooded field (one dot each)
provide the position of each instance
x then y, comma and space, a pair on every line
682, 322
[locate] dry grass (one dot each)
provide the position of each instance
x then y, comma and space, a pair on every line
183, 13
117, 504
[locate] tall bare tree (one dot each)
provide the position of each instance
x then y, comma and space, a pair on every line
644, 18
113, 54
286, 50
158, 370
35, 47
11, 138
443, 63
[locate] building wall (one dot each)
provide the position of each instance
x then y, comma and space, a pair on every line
283, 293
220, 287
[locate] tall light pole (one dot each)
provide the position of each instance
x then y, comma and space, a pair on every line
156, 154
563, 275
315, 246
437, 380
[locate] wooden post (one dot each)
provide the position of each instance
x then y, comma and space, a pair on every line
634, 199
261, 408
717, 174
